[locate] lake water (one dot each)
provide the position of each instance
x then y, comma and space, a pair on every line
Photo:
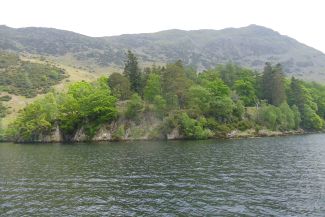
249, 177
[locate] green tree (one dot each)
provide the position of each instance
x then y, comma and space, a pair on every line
301, 96
192, 128
175, 85
311, 120
279, 118
87, 105
221, 105
297, 94
198, 99
35, 119
286, 119
152, 88
69, 117
278, 93
246, 92
239, 110
230, 73
132, 72
120, 86
267, 116
160, 105
134, 107
273, 85
297, 116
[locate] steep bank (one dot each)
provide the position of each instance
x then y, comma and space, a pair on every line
148, 128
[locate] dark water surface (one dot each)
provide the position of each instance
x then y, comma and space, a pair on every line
249, 177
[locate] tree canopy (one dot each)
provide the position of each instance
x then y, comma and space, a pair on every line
199, 105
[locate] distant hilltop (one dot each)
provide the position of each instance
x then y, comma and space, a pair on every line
249, 46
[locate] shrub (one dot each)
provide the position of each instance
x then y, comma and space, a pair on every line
134, 107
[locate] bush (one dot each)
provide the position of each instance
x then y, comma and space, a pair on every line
3, 110
311, 120
37, 118
279, 118
159, 105
119, 133
134, 107
5, 98
192, 128
85, 105
120, 86
245, 125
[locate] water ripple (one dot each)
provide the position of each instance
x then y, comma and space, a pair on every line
249, 177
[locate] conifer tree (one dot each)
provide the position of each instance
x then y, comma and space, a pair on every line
132, 72
278, 88
273, 89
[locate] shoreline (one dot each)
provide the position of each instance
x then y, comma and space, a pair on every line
241, 135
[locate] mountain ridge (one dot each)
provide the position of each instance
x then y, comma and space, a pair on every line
249, 46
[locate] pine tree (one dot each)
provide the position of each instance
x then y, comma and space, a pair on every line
273, 89
266, 86
278, 88
132, 72
175, 84
296, 94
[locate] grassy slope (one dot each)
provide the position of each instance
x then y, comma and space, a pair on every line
75, 74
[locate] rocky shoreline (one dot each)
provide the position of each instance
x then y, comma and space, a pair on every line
105, 134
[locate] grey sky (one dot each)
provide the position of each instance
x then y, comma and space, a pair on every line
300, 19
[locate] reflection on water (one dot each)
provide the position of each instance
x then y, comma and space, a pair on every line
253, 177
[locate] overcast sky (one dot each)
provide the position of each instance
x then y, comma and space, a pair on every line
301, 19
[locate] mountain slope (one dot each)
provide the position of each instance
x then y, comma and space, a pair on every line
250, 46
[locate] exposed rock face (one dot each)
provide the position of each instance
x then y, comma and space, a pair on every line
123, 129
80, 136
103, 134
175, 134
54, 136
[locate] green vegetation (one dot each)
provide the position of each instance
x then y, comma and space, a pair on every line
198, 105
5, 98
279, 118
132, 72
272, 85
84, 105
120, 86
3, 111
26, 78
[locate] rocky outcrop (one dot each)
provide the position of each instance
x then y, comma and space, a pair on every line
54, 136
174, 135
122, 129
262, 133
104, 134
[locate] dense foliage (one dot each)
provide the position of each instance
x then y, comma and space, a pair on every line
84, 105
199, 105
27, 78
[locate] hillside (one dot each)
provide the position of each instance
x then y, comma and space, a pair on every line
35, 60
24, 78
249, 46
